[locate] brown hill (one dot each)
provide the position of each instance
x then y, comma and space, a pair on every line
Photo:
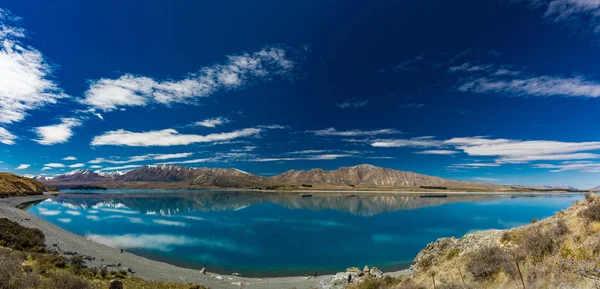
366, 175
13, 185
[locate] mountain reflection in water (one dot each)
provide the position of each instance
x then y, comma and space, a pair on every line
177, 203
278, 234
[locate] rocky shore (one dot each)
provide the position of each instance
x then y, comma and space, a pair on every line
99, 255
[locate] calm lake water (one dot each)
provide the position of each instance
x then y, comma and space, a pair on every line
277, 235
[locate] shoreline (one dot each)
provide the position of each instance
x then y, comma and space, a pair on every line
145, 268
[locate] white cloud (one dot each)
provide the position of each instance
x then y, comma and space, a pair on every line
535, 86
54, 165
166, 137
170, 223
585, 11
422, 142
96, 167
212, 122
147, 157
350, 133
304, 158
23, 166
503, 151
238, 71
119, 168
64, 220
349, 104
583, 166
79, 165
501, 80
73, 213
6, 137
160, 242
59, 133
46, 168
69, 158
437, 152
25, 77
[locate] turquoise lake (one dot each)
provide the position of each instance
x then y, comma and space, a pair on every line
258, 234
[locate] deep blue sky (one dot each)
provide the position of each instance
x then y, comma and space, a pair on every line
517, 81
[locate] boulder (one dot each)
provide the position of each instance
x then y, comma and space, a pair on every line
376, 273
115, 284
239, 284
203, 271
219, 277
366, 270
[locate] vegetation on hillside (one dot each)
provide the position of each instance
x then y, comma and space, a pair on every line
559, 252
26, 264
15, 186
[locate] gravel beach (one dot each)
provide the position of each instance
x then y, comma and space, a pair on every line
145, 268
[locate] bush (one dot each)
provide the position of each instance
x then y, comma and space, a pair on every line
50, 260
592, 212
538, 243
15, 236
487, 262
65, 281
560, 228
12, 275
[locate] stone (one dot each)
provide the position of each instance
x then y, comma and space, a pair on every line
235, 274
366, 270
130, 270
115, 284
203, 271
219, 277
239, 284
376, 273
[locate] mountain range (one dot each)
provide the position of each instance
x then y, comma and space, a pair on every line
178, 177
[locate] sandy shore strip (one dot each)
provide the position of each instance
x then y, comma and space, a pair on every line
145, 268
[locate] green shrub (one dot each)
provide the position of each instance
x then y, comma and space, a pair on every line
15, 236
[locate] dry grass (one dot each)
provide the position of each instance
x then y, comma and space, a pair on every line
559, 252
13, 186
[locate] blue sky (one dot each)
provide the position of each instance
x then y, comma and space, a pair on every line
496, 91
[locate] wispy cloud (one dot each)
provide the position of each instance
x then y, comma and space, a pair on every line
79, 165
69, 158
353, 133
582, 11
23, 166
6, 137
486, 79
437, 152
422, 142
147, 157
321, 157
349, 104
166, 137
237, 72
54, 165
25, 76
212, 122
56, 134
502, 151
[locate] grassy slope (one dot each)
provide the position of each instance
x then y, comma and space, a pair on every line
13, 186
562, 251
